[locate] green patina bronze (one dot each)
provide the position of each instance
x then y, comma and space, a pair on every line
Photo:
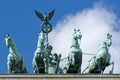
45, 62
38, 63
46, 27
15, 62
74, 60
52, 63
102, 59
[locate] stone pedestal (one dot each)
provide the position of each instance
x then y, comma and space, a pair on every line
59, 77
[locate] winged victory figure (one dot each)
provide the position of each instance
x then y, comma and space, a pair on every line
46, 17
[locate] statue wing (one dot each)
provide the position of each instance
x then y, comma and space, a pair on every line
50, 14
39, 15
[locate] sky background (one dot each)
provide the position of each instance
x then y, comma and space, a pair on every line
94, 18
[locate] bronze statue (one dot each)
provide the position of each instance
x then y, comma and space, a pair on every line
74, 60
102, 59
16, 64
38, 60
45, 18
46, 27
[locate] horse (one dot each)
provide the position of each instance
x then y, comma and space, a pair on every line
74, 60
15, 62
102, 59
38, 60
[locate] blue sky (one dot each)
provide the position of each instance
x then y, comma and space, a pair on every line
19, 20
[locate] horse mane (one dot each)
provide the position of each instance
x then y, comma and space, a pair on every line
39, 44
13, 45
103, 43
74, 42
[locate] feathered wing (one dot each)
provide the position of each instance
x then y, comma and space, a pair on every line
39, 15
50, 14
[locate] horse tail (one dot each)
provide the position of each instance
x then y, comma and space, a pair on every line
24, 70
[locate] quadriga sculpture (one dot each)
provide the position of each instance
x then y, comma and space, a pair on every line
102, 59
38, 60
15, 62
74, 60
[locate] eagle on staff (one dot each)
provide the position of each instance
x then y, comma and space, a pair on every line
46, 17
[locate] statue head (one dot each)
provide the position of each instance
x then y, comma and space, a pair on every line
55, 56
77, 34
48, 48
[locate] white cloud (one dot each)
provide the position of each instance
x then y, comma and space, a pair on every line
94, 23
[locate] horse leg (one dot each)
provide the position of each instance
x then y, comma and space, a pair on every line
67, 64
24, 70
35, 67
71, 58
111, 71
65, 70
86, 70
79, 70
36, 63
10, 64
9, 67
80, 62
46, 62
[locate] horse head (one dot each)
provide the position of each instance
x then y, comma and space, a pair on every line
9, 41
41, 36
77, 34
108, 41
